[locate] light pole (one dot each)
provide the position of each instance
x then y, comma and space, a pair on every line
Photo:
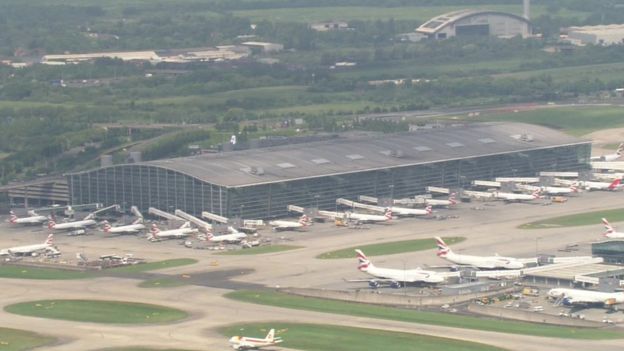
391, 186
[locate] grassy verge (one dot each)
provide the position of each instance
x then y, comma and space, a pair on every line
434, 318
98, 311
18, 340
21, 272
389, 248
162, 283
258, 250
587, 218
316, 337
572, 120
140, 348
151, 266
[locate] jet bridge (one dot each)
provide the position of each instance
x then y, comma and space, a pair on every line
163, 214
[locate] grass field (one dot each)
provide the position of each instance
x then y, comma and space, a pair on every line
572, 120
316, 337
393, 247
152, 266
21, 340
369, 13
19, 272
606, 71
443, 319
98, 311
588, 218
258, 250
162, 283
139, 348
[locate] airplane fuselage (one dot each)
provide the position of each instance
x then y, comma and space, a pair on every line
584, 297
74, 225
484, 262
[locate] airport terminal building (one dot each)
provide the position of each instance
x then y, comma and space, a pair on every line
260, 183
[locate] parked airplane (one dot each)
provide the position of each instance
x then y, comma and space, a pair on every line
182, 232
451, 201
404, 211
134, 228
396, 277
32, 219
360, 217
485, 262
611, 233
247, 343
574, 297
86, 222
303, 222
550, 190
610, 157
517, 197
233, 237
615, 185
31, 250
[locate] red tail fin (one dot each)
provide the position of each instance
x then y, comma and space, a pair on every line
615, 184
50, 239
12, 217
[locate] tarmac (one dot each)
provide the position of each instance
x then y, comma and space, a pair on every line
492, 228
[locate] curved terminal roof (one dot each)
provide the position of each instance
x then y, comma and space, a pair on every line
436, 24
356, 154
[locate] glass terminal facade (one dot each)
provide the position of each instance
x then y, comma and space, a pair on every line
611, 251
146, 185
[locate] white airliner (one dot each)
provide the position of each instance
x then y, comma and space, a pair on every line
303, 222
32, 219
247, 343
86, 222
185, 230
485, 262
233, 237
452, 201
360, 217
31, 250
611, 233
610, 157
550, 190
517, 197
395, 277
404, 211
615, 185
134, 228
571, 297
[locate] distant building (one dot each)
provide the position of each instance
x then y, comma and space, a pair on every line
411, 37
264, 46
476, 23
612, 34
329, 26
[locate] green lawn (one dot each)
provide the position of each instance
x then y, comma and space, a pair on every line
605, 71
98, 311
573, 120
162, 283
21, 272
372, 13
258, 250
140, 348
587, 218
151, 266
316, 337
18, 340
434, 318
393, 247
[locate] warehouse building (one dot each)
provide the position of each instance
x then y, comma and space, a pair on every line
260, 183
476, 23
612, 34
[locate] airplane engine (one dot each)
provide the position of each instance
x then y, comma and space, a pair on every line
395, 285
373, 284
566, 301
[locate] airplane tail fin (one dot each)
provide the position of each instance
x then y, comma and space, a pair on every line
50, 240
12, 218
452, 199
607, 226
615, 184
106, 227
154, 229
51, 224
364, 262
304, 220
185, 225
574, 188
443, 249
536, 194
271, 335
620, 149
388, 213
428, 209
